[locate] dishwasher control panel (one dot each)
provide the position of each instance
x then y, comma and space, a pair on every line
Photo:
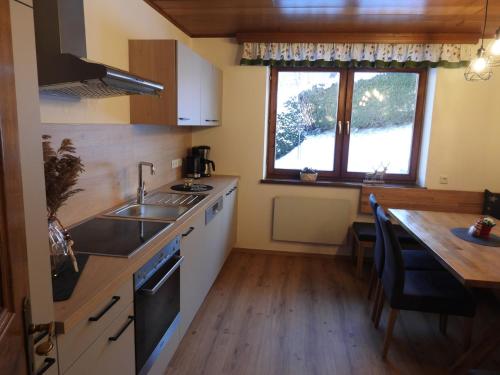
213, 210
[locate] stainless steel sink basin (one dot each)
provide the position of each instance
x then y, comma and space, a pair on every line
159, 206
150, 212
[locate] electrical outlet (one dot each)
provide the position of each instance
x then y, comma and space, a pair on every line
176, 163
443, 180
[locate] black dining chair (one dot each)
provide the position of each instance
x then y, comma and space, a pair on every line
419, 290
415, 258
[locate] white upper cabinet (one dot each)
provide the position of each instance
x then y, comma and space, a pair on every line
193, 86
189, 74
211, 93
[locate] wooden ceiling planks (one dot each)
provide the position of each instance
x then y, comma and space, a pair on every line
457, 21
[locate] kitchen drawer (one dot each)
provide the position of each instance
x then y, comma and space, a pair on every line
113, 352
71, 345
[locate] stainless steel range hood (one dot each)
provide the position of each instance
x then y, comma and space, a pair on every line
61, 55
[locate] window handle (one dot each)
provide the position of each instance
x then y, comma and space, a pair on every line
348, 123
340, 127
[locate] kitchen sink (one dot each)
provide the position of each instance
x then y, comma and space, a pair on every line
150, 212
160, 206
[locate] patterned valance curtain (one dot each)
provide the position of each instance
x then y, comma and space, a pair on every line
357, 55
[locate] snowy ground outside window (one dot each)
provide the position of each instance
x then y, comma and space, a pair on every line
368, 149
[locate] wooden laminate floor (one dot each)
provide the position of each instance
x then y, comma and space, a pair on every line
298, 315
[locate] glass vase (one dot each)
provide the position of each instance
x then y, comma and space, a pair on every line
59, 252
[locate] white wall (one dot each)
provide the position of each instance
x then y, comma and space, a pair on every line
465, 136
464, 142
427, 126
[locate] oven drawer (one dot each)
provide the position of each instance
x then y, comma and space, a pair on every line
71, 345
112, 352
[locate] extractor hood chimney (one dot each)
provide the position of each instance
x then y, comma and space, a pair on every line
61, 55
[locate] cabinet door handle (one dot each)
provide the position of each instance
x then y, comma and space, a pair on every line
164, 278
184, 118
212, 120
114, 300
348, 127
340, 127
188, 232
130, 319
47, 363
231, 191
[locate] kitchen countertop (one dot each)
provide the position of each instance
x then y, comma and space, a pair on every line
103, 275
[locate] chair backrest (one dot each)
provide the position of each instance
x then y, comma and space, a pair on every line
378, 249
393, 273
491, 205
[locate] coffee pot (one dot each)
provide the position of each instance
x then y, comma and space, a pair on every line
207, 166
192, 168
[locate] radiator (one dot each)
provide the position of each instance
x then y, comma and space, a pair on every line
311, 220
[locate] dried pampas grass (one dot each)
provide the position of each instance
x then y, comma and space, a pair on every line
62, 169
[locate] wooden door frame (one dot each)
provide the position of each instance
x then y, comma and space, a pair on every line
13, 250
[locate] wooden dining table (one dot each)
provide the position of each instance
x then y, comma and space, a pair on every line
474, 265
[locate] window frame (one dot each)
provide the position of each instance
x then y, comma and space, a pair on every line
344, 112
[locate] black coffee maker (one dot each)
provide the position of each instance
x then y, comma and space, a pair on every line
207, 166
192, 166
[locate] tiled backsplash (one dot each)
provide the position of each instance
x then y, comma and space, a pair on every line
110, 153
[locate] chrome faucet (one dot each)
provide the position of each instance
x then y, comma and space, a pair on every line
141, 192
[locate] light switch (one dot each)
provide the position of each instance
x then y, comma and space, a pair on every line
176, 163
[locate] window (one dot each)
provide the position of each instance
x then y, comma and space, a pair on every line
345, 122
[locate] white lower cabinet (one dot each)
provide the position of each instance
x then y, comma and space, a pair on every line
215, 243
73, 344
205, 247
193, 283
113, 352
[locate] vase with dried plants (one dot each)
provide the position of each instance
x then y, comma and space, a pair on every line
62, 168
